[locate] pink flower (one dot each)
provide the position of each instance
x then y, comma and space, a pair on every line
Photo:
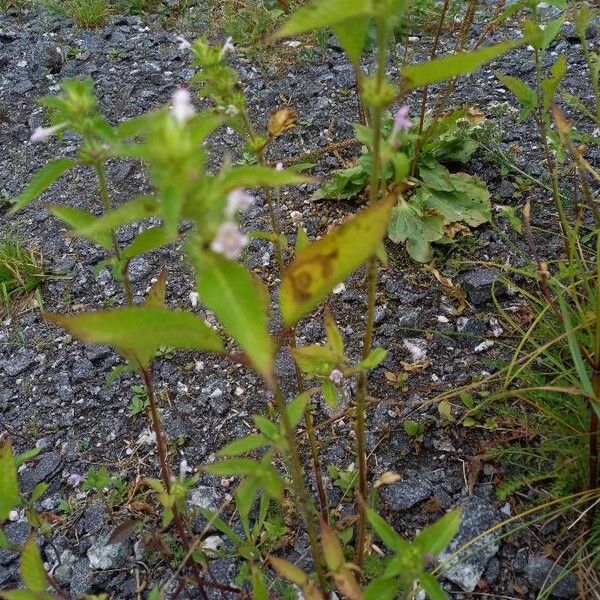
336, 376
279, 166
238, 200
229, 241
401, 121
42, 134
181, 106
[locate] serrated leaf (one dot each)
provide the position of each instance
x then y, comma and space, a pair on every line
448, 67
323, 13
32, 569
77, 219
434, 538
316, 270
137, 332
41, 181
228, 289
9, 485
243, 445
411, 225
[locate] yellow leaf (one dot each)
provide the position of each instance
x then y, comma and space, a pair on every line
282, 120
319, 267
386, 479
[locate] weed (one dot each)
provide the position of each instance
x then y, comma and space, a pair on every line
21, 270
85, 13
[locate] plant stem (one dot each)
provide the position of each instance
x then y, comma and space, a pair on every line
551, 165
361, 396
434, 47
105, 198
300, 486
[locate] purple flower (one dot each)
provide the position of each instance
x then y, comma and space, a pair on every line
336, 376
74, 479
181, 106
401, 121
238, 200
229, 241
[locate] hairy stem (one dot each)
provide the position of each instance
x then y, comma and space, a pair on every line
299, 486
105, 198
361, 396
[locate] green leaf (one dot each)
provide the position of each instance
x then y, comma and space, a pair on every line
32, 568
129, 212
297, 407
38, 491
244, 499
418, 229
155, 594
335, 341
252, 176
432, 587
314, 359
302, 240
551, 30
352, 34
381, 589
9, 485
373, 359
434, 538
229, 290
448, 67
259, 589
523, 93
468, 203
219, 524
316, 270
23, 595
550, 84
323, 13
233, 466
156, 295
149, 239
386, 532
265, 426
243, 445
41, 181
329, 393
138, 332
77, 219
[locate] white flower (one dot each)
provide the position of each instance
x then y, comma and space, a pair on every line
228, 45
238, 200
229, 241
184, 468
279, 166
336, 376
296, 217
183, 43
181, 107
42, 134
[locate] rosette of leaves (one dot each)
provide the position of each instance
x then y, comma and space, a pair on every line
435, 204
